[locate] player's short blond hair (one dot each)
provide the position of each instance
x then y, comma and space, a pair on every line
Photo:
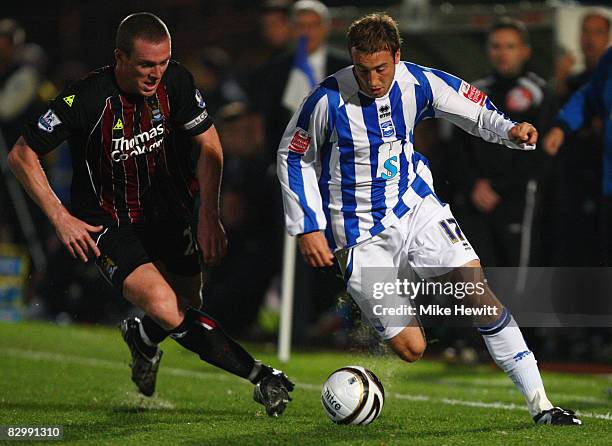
373, 33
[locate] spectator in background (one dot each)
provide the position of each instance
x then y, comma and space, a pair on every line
19, 98
18, 81
211, 75
594, 40
309, 18
496, 188
276, 26
594, 98
578, 202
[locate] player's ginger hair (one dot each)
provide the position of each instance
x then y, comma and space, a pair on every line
373, 33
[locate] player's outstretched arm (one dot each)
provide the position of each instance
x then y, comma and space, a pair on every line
315, 250
469, 108
72, 232
211, 234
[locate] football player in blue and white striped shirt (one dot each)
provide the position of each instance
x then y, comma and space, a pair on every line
354, 185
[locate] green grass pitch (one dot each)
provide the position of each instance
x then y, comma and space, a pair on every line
78, 377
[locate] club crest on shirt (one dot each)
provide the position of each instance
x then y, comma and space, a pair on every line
48, 121
199, 99
472, 93
387, 128
154, 106
300, 141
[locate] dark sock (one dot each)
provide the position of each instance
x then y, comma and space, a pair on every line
153, 330
202, 335
148, 350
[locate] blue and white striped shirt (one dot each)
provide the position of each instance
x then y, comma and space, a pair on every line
346, 162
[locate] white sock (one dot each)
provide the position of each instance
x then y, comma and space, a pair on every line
508, 349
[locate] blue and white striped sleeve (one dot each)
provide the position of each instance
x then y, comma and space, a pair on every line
469, 108
298, 165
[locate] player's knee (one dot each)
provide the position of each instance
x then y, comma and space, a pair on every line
410, 351
156, 301
475, 263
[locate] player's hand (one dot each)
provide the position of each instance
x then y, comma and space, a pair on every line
211, 238
315, 250
553, 140
484, 197
74, 235
523, 133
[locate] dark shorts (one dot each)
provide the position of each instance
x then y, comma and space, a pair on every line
124, 248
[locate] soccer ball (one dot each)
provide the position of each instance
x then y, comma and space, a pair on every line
352, 395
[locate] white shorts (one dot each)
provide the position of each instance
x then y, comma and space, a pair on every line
426, 242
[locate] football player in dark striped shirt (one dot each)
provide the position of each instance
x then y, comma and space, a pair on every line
118, 122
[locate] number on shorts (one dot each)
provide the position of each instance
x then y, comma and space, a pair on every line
455, 235
190, 242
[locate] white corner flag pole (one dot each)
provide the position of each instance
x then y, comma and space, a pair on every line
300, 82
286, 310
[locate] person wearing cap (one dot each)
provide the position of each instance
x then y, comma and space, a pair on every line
309, 18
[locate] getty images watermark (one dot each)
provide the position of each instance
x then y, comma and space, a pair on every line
410, 289
535, 296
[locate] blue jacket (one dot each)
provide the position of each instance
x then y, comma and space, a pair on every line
594, 98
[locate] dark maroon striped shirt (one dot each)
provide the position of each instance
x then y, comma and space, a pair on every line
124, 161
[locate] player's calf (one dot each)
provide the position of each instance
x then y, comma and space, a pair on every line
508, 349
201, 334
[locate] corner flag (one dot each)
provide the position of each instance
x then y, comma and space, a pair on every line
301, 78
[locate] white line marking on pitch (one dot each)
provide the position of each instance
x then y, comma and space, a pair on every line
116, 365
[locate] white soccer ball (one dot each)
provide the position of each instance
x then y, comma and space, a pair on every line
352, 395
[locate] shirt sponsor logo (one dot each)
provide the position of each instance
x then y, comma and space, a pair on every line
472, 93
48, 121
300, 141
199, 99
389, 160
143, 143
